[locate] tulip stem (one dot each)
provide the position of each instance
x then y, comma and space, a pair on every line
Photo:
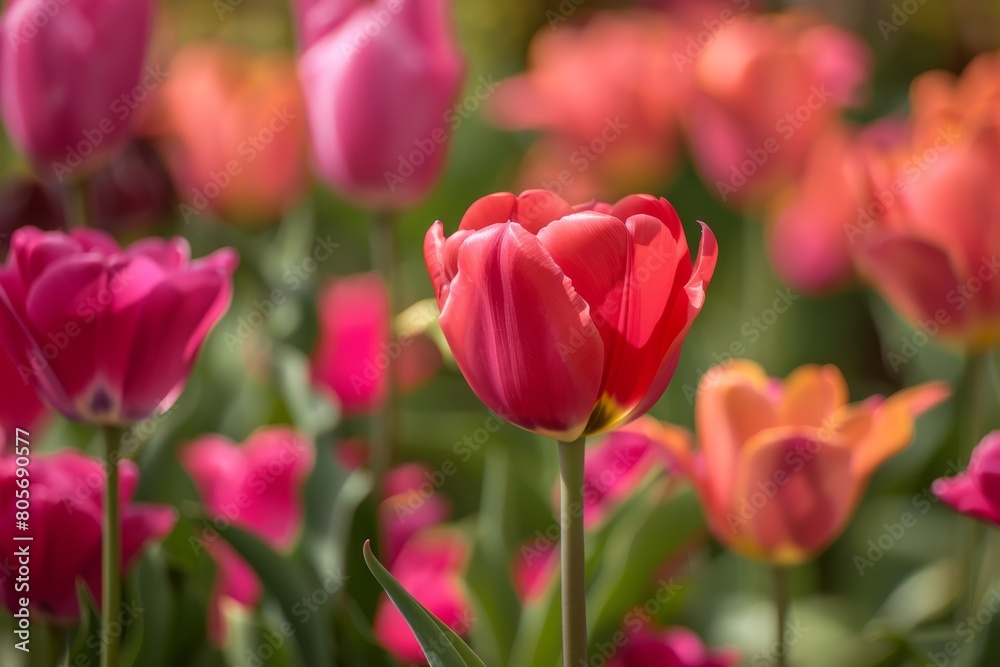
574, 589
80, 194
111, 550
384, 423
781, 599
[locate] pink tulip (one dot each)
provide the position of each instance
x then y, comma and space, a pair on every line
535, 567
354, 348
976, 492
430, 568
766, 87
108, 335
673, 647
20, 407
401, 59
567, 322
930, 247
256, 486
71, 76
412, 504
66, 492
782, 465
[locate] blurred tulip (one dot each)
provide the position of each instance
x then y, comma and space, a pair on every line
401, 59
24, 202
976, 492
673, 647
609, 93
782, 465
72, 77
535, 567
930, 248
411, 504
132, 191
766, 86
108, 335
66, 499
256, 486
567, 322
233, 132
20, 406
354, 348
430, 568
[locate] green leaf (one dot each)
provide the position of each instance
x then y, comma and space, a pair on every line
311, 412
285, 584
440, 644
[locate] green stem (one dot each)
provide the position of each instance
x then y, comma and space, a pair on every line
976, 389
781, 599
574, 589
111, 549
82, 203
385, 422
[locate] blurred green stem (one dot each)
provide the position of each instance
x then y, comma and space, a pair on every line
111, 549
976, 388
571, 551
781, 599
80, 195
384, 423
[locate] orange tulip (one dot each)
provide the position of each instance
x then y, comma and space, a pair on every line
781, 465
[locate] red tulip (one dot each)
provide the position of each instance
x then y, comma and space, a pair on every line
567, 322
766, 87
976, 492
71, 77
355, 350
931, 247
430, 568
240, 151
66, 497
108, 335
782, 464
401, 59
256, 486
674, 647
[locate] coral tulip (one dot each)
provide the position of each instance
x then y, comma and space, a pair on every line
257, 487
782, 465
401, 59
71, 77
67, 491
976, 492
567, 322
108, 335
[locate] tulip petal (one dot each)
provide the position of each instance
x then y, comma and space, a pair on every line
800, 490
811, 394
533, 210
521, 334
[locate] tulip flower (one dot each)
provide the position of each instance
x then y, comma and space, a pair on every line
766, 87
567, 322
931, 253
402, 60
67, 491
673, 647
429, 567
70, 84
608, 96
354, 349
976, 492
20, 408
240, 152
412, 503
256, 486
782, 465
108, 335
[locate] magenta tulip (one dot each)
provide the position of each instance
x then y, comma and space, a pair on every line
107, 335
411, 505
673, 647
71, 76
567, 322
976, 492
20, 407
65, 521
257, 487
379, 80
